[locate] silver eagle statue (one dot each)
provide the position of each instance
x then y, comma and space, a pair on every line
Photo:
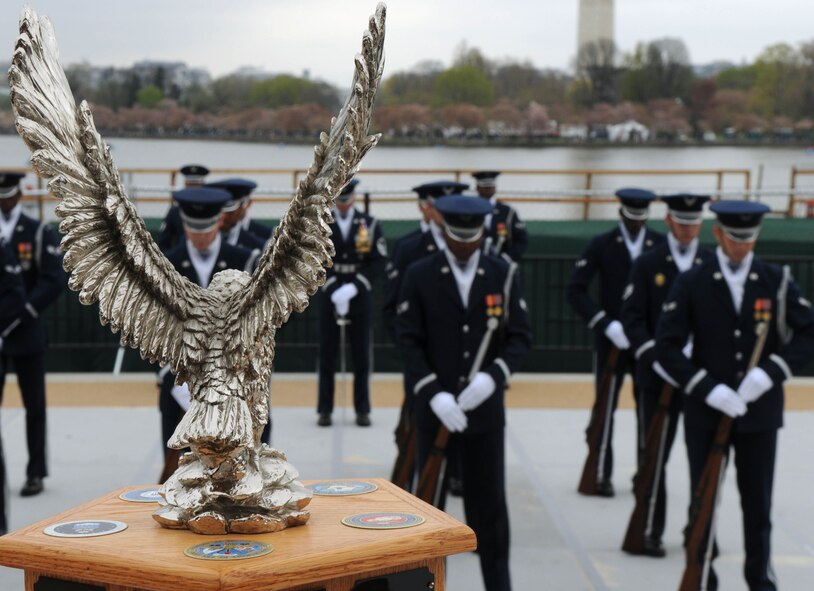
219, 340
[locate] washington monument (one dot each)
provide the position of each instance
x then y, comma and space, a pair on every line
595, 21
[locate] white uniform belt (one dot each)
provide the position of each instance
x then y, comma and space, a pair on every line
345, 269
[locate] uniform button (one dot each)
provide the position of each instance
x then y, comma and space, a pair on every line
738, 356
466, 354
462, 379
739, 375
465, 328
737, 333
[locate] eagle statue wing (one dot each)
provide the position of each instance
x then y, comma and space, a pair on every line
110, 254
292, 266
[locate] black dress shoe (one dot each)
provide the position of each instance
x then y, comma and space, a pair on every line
604, 488
324, 419
363, 419
33, 486
654, 548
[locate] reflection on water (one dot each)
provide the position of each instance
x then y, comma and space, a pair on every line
769, 167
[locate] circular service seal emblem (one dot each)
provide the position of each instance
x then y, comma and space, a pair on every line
383, 520
141, 495
228, 550
342, 488
86, 528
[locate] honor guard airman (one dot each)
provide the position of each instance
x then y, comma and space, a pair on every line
203, 253
721, 304
463, 328
35, 247
171, 232
234, 213
426, 240
505, 232
651, 277
236, 221
611, 255
346, 297
12, 307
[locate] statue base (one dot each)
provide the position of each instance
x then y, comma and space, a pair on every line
324, 555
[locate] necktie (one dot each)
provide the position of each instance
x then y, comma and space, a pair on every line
205, 253
733, 266
682, 249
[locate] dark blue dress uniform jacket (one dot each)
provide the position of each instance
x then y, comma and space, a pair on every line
349, 265
262, 230
440, 337
229, 257
651, 277
700, 305
607, 255
35, 246
506, 234
12, 289
408, 249
171, 232
248, 240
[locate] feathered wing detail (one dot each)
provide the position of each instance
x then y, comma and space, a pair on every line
292, 267
108, 250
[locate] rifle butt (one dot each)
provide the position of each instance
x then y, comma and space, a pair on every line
432, 474
588, 480
691, 580
634, 536
404, 468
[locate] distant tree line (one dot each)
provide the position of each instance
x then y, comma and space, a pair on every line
478, 99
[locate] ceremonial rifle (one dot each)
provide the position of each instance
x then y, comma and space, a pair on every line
404, 466
597, 443
431, 480
647, 480
707, 495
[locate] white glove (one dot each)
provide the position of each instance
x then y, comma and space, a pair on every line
725, 399
754, 385
447, 410
479, 389
181, 395
616, 333
342, 296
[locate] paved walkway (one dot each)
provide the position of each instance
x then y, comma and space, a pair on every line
560, 540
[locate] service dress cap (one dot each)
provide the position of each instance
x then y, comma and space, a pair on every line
239, 189
739, 219
437, 189
686, 208
486, 178
10, 183
194, 173
201, 207
347, 192
463, 216
635, 202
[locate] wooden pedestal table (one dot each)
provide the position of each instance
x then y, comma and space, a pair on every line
322, 555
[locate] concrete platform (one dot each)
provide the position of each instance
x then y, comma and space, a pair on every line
560, 540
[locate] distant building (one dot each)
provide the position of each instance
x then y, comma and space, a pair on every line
629, 131
595, 21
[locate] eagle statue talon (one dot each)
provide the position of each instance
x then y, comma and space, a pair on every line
219, 340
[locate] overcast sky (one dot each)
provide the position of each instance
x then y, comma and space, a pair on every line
323, 35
